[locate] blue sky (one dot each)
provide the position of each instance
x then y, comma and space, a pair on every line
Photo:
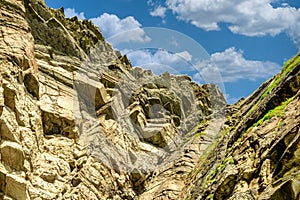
245, 42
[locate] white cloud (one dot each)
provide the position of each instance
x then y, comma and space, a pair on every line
70, 12
185, 55
230, 99
112, 25
230, 66
159, 11
294, 33
227, 66
161, 61
151, 3
245, 17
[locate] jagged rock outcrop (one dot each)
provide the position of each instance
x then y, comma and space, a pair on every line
257, 157
78, 122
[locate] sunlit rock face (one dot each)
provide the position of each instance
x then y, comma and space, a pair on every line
77, 121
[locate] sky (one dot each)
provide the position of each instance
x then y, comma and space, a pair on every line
237, 44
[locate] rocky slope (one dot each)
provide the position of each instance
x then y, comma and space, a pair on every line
258, 155
77, 121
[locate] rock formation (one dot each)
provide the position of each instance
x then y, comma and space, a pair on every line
77, 121
257, 157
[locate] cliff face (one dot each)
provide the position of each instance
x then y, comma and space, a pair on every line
258, 155
78, 122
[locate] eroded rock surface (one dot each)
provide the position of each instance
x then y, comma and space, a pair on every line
257, 157
78, 122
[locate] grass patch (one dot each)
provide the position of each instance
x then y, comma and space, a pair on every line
288, 66
221, 166
278, 111
231, 160
253, 108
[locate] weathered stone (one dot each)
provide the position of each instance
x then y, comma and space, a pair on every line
55, 125
32, 85
2, 181
160, 135
98, 129
108, 80
92, 93
1, 100
9, 128
9, 94
12, 155
49, 173
16, 187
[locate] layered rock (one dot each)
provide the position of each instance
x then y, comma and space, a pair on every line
257, 158
78, 122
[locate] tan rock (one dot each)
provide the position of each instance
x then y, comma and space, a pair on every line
2, 181
9, 96
12, 155
9, 127
32, 85
16, 187
64, 132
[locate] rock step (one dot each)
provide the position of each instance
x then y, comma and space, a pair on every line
155, 126
152, 129
157, 121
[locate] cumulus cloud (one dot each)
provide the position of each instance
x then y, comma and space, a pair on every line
159, 11
230, 66
70, 12
112, 25
245, 17
227, 66
161, 61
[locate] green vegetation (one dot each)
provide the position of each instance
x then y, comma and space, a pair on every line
221, 166
278, 111
204, 157
278, 127
288, 66
253, 108
202, 124
231, 160
211, 147
194, 133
